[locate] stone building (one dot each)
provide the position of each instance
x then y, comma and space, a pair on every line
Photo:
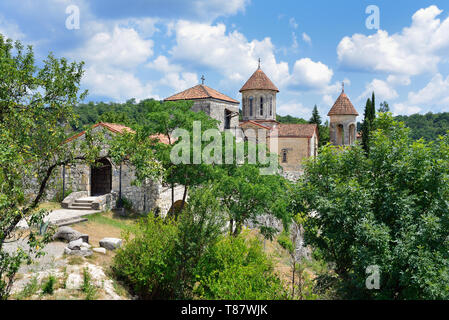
292, 142
343, 121
215, 104
100, 186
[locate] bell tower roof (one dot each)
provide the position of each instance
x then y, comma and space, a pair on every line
259, 81
343, 106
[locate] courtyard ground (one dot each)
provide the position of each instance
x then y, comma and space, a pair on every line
69, 272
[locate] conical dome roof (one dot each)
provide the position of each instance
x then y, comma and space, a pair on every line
259, 81
343, 106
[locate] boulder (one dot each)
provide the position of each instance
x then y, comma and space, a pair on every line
85, 245
99, 250
111, 243
82, 252
75, 244
69, 234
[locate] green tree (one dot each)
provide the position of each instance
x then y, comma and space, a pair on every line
36, 113
238, 269
323, 130
388, 208
384, 107
367, 125
164, 118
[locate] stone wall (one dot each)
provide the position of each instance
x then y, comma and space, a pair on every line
256, 95
216, 110
349, 128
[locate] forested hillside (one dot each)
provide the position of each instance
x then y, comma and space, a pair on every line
428, 126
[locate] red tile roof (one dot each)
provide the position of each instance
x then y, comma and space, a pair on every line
200, 92
254, 123
117, 128
259, 81
343, 106
296, 130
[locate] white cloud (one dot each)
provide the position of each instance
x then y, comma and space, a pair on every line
173, 75
306, 38
382, 90
231, 54
311, 75
404, 109
398, 80
436, 92
116, 84
122, 48
111, 59
293, 23
9, 29
293, 108
413, 51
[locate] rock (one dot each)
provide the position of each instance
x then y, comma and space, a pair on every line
85, 245
111, 243
74, 281
69, 234
75, 244
99, 250
82, 252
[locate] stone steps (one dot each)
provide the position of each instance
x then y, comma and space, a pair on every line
70, 221
82, 204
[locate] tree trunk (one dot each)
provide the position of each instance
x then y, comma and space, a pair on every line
172, 198
184, 197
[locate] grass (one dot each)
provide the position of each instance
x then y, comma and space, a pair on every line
48, 286
30, 289
88, 288
110, 219
50, 206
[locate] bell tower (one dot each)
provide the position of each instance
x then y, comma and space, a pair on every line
259, 97
343, 121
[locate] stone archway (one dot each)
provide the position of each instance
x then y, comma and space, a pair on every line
340, 135
101, 177
352, 134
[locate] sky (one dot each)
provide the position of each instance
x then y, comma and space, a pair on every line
155, 48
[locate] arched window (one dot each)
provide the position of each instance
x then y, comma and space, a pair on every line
250, 106
271, 106
284, 156
261, 106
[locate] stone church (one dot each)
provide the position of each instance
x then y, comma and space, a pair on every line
99, 187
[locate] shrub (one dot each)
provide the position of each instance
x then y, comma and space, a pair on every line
146, 263
88, 288
236, 269
48, 286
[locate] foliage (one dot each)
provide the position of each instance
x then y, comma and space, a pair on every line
88, 288
368, 125
30, 289
290, 119
428, 126
389, 209
159, 261
323, 130
235, 269
48, 286
247, 195
36, 111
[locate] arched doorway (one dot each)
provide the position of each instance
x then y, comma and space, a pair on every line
351, 134
340, 135
101, 177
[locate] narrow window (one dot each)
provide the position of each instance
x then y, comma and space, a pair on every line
284, 156
250, 106
271, 106
261, 106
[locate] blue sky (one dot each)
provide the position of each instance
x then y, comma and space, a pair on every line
155, 48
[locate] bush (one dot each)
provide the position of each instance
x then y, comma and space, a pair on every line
160, 261
285, 241
146, 263
238, 269
48, 287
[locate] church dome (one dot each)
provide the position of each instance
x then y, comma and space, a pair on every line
259, 81
343, 106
